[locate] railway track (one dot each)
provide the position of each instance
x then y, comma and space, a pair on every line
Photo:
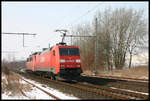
134, 87
98, 90
122, 84
117, 91
48, 93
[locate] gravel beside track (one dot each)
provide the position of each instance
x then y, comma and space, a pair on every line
117, 91
87, 91
122, 84
81, 94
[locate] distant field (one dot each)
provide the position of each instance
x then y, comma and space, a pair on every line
140, 72
138, 59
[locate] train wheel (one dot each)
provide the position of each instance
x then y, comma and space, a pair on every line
46, 74
52, 76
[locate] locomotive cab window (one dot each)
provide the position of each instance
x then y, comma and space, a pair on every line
68, 51
53, 52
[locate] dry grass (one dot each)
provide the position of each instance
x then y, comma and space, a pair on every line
140, 72
11, 82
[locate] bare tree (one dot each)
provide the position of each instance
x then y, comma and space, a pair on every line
105, 38
85, 44
138, 31
120, 31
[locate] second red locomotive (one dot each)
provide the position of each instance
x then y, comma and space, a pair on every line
60, 60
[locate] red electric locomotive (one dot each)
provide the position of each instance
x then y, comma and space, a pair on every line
60, 60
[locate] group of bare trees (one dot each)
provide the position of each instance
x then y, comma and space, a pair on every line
119, 33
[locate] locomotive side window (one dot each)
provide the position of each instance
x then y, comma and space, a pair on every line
68, 51
53, 52
27, 59
30, 58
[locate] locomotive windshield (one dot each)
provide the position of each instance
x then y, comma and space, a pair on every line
68, 51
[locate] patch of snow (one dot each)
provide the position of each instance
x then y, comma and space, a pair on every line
22, 81
22, 70
52, 91
35, 93
5, 78
7, 96
138, 59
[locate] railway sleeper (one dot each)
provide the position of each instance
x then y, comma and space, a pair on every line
129, 93
117, 91
91, 90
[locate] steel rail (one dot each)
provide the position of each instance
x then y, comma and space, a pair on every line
116, 91
109, 93
57, 98
114, 96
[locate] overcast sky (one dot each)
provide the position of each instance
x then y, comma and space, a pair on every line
43, 18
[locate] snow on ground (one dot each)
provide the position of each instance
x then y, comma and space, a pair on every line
138, 59
4, 77
6, 96
35, 93
52, 91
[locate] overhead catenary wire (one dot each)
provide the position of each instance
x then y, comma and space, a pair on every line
74, 21
10, 51
16, 33
10, 33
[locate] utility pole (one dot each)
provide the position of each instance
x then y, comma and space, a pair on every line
96, 49
20, 34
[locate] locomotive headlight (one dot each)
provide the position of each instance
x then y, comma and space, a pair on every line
62, 60
78, 60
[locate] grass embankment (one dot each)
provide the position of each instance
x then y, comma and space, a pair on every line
139, 72
11, 83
